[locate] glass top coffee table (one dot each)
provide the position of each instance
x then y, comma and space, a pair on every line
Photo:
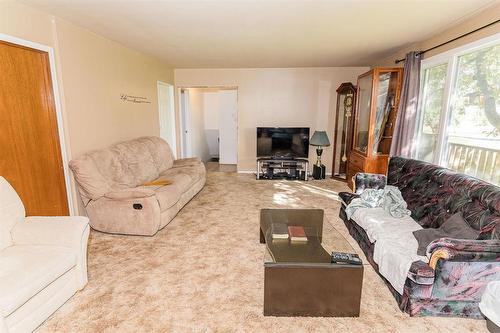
299, 278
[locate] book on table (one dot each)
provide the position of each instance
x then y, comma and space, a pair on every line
279, 231
297, 233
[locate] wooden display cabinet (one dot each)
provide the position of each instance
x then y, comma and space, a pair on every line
377, 100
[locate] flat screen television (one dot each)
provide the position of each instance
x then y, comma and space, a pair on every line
283, 142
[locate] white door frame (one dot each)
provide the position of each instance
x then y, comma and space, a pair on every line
57, 102
185, 123
171, 106
180, 88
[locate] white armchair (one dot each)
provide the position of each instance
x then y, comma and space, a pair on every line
43, 262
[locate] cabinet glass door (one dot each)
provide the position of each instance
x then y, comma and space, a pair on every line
385, 114
362, 118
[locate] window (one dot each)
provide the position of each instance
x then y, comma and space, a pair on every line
459, 110
430, 111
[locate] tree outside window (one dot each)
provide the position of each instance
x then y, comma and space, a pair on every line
471, 139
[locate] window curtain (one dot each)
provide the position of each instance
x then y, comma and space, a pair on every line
404, 131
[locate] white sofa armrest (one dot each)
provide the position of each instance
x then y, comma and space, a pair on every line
67, 231
51, 230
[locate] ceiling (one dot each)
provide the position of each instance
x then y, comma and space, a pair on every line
264, 33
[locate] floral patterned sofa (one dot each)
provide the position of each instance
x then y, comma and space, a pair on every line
459, 270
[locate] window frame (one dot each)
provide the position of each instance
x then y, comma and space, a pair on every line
450, 58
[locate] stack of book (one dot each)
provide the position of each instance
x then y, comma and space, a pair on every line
282, 231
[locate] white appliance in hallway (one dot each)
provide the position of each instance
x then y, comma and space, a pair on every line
228, 126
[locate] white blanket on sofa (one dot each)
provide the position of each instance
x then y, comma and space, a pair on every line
395, 247
389, 198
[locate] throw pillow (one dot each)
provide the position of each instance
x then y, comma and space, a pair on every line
454, 227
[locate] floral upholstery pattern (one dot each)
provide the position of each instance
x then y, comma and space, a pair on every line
434, 194
462, 268
363, 181
465, 245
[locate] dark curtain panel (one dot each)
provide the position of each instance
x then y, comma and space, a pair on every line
404, 130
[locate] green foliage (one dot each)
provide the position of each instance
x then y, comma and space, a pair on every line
434, 80
476, 92
478, 89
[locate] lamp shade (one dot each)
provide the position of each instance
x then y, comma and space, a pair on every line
319, 138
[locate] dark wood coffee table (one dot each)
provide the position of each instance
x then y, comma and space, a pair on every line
299, 279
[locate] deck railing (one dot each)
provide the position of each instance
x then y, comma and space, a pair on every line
475, 157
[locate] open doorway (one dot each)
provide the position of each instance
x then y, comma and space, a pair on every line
210, 126
166, 112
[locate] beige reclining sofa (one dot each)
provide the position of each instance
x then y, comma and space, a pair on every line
113, 184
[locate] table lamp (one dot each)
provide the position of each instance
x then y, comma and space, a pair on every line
320, 140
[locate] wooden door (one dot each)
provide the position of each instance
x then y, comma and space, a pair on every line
30, 154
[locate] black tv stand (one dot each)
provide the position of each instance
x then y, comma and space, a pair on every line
282, 168
283, 158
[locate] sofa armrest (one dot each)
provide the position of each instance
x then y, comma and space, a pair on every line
420, 280
347, 197
131, 193
452, 249
364, 181
421, 273
68, 231
184, 162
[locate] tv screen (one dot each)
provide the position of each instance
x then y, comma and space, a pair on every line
283, 142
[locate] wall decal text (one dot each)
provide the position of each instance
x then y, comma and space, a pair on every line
134, 99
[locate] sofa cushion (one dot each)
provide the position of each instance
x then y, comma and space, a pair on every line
26, 270
11, 212
190, 161
91, 183
434, 194
183, 177
182, 180
167, 196
379, 224
394, 257
395, 247
123, 165
454, 227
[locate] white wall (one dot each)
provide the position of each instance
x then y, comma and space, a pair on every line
490, 14
301, 97
92, 73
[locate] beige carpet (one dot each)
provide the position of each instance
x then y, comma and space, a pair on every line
203, 272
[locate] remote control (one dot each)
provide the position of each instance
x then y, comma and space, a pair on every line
346, 258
